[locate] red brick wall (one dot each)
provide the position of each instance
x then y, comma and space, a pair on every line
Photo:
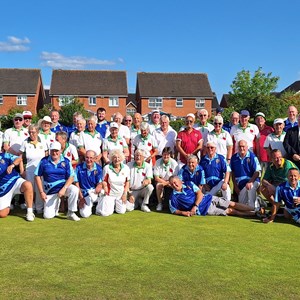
10, 102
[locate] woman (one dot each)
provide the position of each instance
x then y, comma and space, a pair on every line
221, 138
192, 171
116, 176
75, 135
33, 150
113, 142
164, 168
45, 133
146, 141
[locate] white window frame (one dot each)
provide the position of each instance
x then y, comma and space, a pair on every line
178, 100
92, 100
199, 102
130, 111
1, 99
66, 99
22, 100
113, 102
155, 102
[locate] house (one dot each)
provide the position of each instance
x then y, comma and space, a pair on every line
225, 101
21, 88
294, 87
175, 93
131, 104
94, 89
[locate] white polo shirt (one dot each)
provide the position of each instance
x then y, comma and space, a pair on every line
138, 174
163, 140
222, 141
47, 138
109, 145
147, 144
91, 142
275, 142
165, 171
14, 138
75, 137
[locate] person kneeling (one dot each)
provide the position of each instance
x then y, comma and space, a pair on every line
188, 200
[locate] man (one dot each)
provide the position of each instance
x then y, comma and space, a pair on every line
165, 136
154, 121
13, 137
275, 139
102, 124
128, 121
124, 131
244, 131
76, 116
276, 173
203, 126
291, 144
54, 177
291, 120
27, 115
245, 174
289, 193
264, 131
217, 172
188, 200
140, 181
189, 141
89, 181
12, 184
56, 126
234, 120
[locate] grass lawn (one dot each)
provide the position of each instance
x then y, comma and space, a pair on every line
149, 256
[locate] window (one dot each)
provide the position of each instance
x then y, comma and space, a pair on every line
155, 103
113, 101
199, 103
1, 99
65, 100
92, 100
130, 111
179, 102
21, 100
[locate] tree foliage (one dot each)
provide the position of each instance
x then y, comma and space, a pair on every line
7, 121
254, 93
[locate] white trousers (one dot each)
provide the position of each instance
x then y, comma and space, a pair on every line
225, 194
86, 211
249, 196
108, 204
142, 196
51, 205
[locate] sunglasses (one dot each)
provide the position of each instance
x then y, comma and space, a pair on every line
18, 120
127, 121
202, 115
218, 124
210, 147
188, 121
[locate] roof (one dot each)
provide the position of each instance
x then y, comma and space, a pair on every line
225, 101
83, 82
173, 85
19, 81
294, 87
131, 98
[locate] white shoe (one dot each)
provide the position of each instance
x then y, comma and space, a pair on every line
72, 216
30, 217
159, 207
145, 208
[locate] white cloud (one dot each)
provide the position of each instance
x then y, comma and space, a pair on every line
56, 60
14, 44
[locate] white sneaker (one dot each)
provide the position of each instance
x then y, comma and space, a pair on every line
145, 208
159, 207
73, 217
30, 217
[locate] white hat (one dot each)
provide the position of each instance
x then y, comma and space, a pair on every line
114, 125
278, 121
190, 115
55, 146
47, 119
260, 114
27, 113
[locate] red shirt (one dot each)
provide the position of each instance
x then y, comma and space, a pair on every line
189, 141
263, 133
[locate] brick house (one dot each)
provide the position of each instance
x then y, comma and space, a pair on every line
174, 93
94, 89
21, 88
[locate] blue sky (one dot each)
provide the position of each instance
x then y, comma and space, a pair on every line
219, 38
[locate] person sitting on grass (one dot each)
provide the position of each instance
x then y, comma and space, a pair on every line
276, 173
289, 193
188, 200
89, 181
12, 184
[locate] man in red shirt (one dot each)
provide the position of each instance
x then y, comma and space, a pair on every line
189, 141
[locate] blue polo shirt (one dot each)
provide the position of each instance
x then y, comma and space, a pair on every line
54, 175
197, 177
7, 181
88, 179
185, 200
288, 124
214, 169
102, 127
244, 168
59, 127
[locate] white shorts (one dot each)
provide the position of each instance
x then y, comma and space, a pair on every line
5, 200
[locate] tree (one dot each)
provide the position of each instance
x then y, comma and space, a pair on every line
254, 93
7, 121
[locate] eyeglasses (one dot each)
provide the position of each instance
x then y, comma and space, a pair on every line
18, 120
32, 132
210, 147
202, 115
218, 124
127, 121
188, 121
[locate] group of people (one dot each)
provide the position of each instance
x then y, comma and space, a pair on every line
102, 166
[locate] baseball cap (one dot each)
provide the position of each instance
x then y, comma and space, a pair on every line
219, 109
244, 112
278, 121
113, 125
18, 115
260, 114
27, 114
55, 146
